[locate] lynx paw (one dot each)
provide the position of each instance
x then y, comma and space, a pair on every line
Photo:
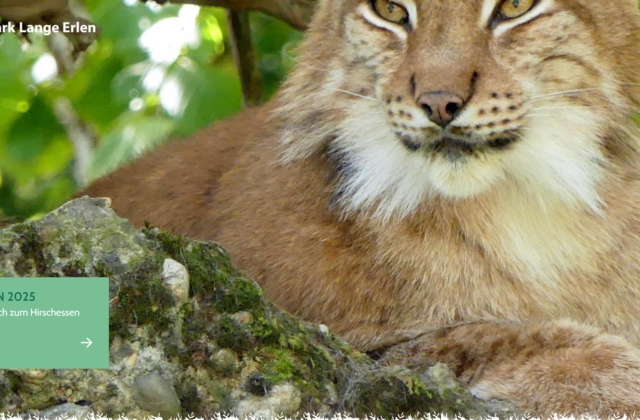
545, 368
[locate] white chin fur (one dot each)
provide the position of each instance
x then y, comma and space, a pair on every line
465, 177
557, 157
393, 181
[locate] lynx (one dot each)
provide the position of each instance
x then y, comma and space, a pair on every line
454, 181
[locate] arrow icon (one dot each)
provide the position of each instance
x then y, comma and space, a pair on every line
88, 342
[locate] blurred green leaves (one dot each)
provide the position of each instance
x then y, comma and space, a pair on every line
154, 73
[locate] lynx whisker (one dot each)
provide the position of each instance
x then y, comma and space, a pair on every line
541, 115
562, 93
370, 98
568, 107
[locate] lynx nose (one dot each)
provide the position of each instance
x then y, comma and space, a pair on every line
441, 107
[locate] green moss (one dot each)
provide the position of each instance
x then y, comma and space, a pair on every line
268, 332
280, 366
231, 334
111, 390
302, 340
191, 328
102, 270
221, 394
386, 393
242, 295
197, 257
287, 350
64, 251
144, 301
74, 269
4, 392
417, 387
212, 277
31, 248
280, 342
190, 401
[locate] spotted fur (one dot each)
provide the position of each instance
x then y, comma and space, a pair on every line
504, 241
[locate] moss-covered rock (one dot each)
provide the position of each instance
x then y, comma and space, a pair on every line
221, 347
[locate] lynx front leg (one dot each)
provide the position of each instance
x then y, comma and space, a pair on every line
545, 368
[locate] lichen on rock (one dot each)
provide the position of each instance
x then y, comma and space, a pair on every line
184, 320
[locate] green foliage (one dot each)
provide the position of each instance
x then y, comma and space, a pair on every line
155, 73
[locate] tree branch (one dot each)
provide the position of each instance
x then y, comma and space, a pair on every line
80, 136
296, 13
244, 57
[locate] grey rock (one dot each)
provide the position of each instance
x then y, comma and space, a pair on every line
222, 347
282, 400
176, 277
156, 395
441, 380
66, 411
225, 362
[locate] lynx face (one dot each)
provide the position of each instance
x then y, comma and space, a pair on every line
423, 98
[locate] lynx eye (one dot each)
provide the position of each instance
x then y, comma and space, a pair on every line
511, 9
391, 11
